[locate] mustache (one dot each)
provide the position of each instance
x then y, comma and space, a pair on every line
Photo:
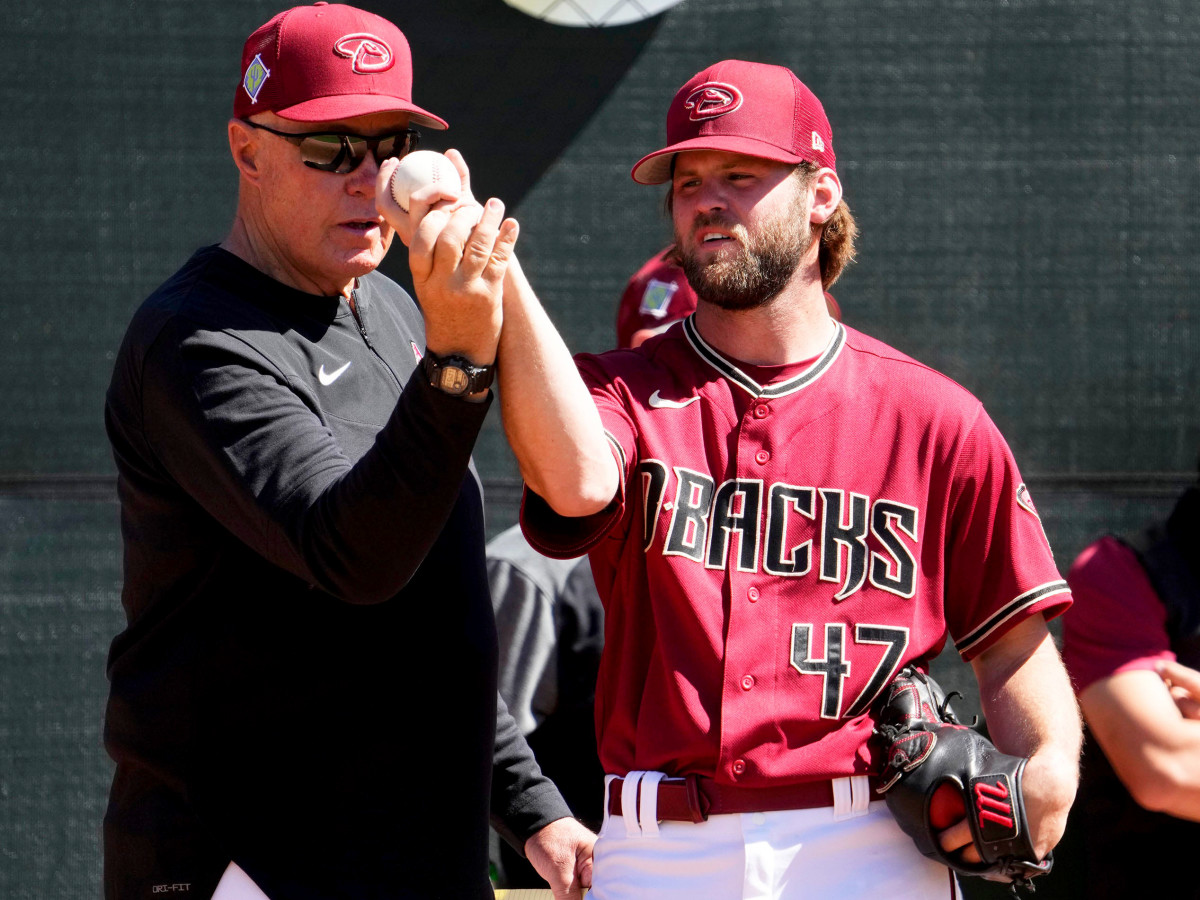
718, 220
706, 220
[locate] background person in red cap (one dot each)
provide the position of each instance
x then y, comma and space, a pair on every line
790, 512
656, 296
307, 684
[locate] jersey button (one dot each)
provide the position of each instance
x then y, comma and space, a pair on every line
752, 594
747, 682
739, 766
761, 457
762, 411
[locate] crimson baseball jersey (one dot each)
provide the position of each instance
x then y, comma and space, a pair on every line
785, 539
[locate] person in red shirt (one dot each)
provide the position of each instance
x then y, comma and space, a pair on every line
1132, 645
655, 298
781, 512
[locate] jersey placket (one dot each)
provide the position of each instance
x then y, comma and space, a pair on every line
752, 659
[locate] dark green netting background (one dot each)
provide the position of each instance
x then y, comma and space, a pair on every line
1025, 174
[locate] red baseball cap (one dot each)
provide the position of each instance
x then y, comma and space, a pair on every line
328, 61
743, 107
657, 295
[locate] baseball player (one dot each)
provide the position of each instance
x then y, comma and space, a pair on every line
788, 513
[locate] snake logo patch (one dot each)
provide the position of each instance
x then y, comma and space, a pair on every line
368, 54
711, 100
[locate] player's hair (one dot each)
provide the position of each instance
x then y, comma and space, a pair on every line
837, 234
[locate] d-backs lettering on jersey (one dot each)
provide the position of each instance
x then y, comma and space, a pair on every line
788, 540
757, 527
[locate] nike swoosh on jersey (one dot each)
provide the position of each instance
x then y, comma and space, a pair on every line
659, 402
328, 378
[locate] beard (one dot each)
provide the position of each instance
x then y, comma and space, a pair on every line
754, 272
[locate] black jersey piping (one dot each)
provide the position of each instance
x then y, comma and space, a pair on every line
1024, 601
822, 365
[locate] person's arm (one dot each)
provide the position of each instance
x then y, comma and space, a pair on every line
1148, 736
549, 417
562, 854
1030, 708
529, 812
525, 623
222, 423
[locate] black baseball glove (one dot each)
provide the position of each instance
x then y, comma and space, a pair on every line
926, 747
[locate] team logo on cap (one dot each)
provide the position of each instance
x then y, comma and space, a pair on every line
368, 53
256, 76
711, 100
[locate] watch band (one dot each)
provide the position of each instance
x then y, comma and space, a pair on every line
457, 375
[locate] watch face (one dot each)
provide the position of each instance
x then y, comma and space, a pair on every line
453, 380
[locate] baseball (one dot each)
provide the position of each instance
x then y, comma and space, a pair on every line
421, 168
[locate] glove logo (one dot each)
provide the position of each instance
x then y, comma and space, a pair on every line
993, 806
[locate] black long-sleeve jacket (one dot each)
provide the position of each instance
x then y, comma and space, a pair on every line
307, 682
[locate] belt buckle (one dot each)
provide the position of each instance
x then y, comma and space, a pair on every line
697, 803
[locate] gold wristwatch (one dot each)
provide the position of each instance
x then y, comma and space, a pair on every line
457, 375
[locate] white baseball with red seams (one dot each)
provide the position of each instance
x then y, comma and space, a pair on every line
422, 168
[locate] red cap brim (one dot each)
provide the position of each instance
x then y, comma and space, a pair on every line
347, 106
655, 168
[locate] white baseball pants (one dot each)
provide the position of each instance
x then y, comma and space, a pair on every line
851, 851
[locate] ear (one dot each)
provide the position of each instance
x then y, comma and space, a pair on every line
827, 194
245, 149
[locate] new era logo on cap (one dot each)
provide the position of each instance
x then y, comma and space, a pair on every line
743, 107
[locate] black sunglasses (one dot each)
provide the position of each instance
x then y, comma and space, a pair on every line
333, 151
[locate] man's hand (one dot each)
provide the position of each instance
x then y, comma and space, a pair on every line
423, 200
1031, 711
458, 255
1048, 795
1184, 686
562, 854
